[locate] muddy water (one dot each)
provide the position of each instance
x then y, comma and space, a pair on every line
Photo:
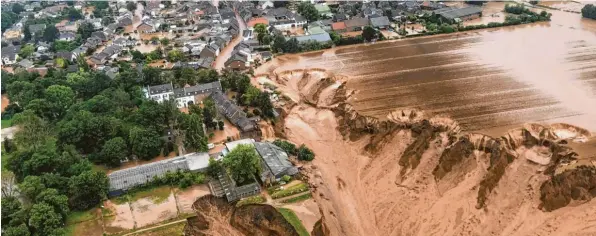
544, 72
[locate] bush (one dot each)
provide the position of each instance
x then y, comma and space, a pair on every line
589, 11
251, 200
286, 178
288, 147
305, 154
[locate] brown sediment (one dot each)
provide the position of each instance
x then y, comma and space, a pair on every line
320, 229
578, 184
215, 216
397, 174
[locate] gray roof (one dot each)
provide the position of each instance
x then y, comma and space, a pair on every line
357, 22
26, 63
138, 175
452, 13
198, 89
379, 21
324, 37
67, 34
36, 28
232, 112
276, 160
131, 177
10, 51
158, 89
64, 54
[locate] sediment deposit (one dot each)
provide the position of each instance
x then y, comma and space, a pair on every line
411, 173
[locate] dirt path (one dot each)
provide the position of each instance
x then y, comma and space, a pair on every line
5, 101
155, 227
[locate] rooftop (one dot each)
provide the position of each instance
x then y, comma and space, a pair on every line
452, 13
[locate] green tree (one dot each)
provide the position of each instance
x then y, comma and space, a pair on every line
114, 151
194, 135
305, 154
27, 50
85, 30
22, 92
50, 34
251, 95
264, 104
87, 189
262, 31
164, 41
58, 201
242, 163
175, 55
187, 76
146, 144
152, 76
588, 11
335, 37
10, 206
61, 62
74, 14
288, 147
60, 98
131, 6
279, 43
20, 230
292, 46
44, 220
31, 187
17, 8
8, 19
209, 113
207, 76
137, 56
309, 11
369, 33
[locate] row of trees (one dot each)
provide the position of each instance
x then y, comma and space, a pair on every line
303, 153
247, 94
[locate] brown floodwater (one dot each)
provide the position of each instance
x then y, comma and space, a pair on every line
543, 72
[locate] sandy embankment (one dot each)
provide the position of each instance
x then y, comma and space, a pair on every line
380, 181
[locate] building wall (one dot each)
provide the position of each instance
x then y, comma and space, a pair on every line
183, 101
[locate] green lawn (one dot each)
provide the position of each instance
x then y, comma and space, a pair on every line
6, 123
298, 199
301, 187
157, 195
293, 219
80, 216
251, 200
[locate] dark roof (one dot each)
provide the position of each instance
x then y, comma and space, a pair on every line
64, 54
72, 68
36, 28
452, 13
125, 21
276, 159
10, 51
157, 89
198, 89
67, 34
379, 21
99, 35
232, 112
227, 14
357, 22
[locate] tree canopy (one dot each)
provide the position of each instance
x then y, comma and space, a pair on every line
309, 11
589, 11
242, 163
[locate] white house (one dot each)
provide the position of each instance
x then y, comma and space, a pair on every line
183, 96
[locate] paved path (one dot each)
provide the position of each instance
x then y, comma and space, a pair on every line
154, 227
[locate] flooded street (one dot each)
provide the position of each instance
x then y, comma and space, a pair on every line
544, 72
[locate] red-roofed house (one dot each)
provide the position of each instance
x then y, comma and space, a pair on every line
339, 27
260, 20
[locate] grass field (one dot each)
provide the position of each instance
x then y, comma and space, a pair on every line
157, 195
293, 219
251, 200
302, 187
80, 216
6, 123
298, 198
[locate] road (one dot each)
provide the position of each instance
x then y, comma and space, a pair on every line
225, 54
